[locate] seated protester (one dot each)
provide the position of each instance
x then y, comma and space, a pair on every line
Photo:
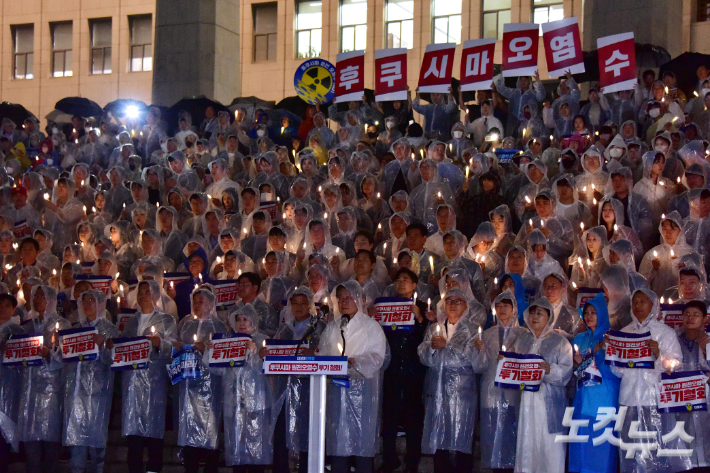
354, 334
692, 284
10, 376
540, 413
697, 227
346, 229
247, 400
45, 256
256, 236
123, 252
230, 203
106, 265
446, 169
140, 217
557, 230
477, 206
593, 394
62, 212
139, 193
539, 262
693, 345
566, 320
590, 185
332, 200
277, 243
371, 202
638, 391
165, 303
403, 381
305, 186
88, 388
445, 221
228, 240
481, 249
348, 195
537, 181
588, 262
673, 167
637, 211
317, 242
615, 229
151, 246
345, 271
302, 215
450, 390
516, 262
427, 196
397, 241
220, 180
658, 265
20, 210
654, 188
320, 282
275, 286
28, 250
455, 257
200, 399
407, 259
7, 252
198, 205
172, 238
291, 428
503, 225
363, 266
68, 307
622, 252
568, 205
144, 392
248, 286
39, 420
231, 265
416, 241
87, 234
693, 178
212, 226
498, 406
196, 264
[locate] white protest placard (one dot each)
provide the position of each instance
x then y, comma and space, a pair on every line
394, 313
23, 350
306, 365
684, 391
519, 371
77, 344
130, 353
629, 350
228, 350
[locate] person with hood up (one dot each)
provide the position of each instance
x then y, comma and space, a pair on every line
540, 412
321, 128
437, 114
623, 252
397, 224
448, 171
300, 322
610, 212
276, 285
673, 168
515, 276
445, 221
697, 226
537, 180
498, 406
197, 264
39, 421
10, 380
151, 247
593, 394
458, 141
454, 256
638, 390
317, 241
144, 392
597, 111
503, 225
386, 138
692, 282
123, 251
432, 192
88, 389
481, 249
693, 178
654, 188
518, 97
637, 211
173, 240
588, 261
354, 334
539, 261
616, 154
199, 204
221, 182
567, 204
397, 174
563, 125
450, 392
660, 264
591, 184
201, 398
62, 212
566, 320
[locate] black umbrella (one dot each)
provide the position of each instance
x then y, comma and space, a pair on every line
650, 56
250, 102
80, 106
298, 106
196, 106
684, 67
15, 112
120, 107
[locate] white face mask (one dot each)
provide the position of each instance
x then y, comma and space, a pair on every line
654, 112
616, 152
704, 92
55, 130
389, 125
458, 134
661, 147
265, 197
260, 133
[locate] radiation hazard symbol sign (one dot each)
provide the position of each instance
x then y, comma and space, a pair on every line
314, 81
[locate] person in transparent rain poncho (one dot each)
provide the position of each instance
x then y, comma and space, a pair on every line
566, 320
660, 264
654, 188
450, 392
218, 170
10, 379
275, 285
397, 224
165, 304
590, 185
588, 262
45, 257
499, 407
638, 391
693, 178
481, 249
539, 261
39, 424
592, 394
446, 169
622, 252
87, 234
568, 205
200, 400
173, 239
503, 224
62, 212
144, 392
352, 413
537, 181
292, 393
540, 412
344, 237
317, 241
151, 247
212, 226
256, 236
692, 284
445, 221
247, 400
123, 252
277, 241
611, 212
427, 196
637, 211
88, 389
697, 226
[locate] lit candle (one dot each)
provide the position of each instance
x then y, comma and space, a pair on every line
263, 344
467, 170
394, 261
576, 349
56, 326
438, 329
431, 263
655, 254
46, 196
662, 300
428, 304
530, 222
678, 180
152, 329
502, 347
672, 253
194, 338
415, 297
495, 281
172, 284
118, 300
93, 209
378, 195
581, 225
480, 330
340, 349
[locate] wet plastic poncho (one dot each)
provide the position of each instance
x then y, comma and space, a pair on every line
638, 213
597, 178
396, 173
667, 275
657, 193
173, 241
63, 222
10, 380
498, 406
619, 230
540, 413
587, 267
450, 392
40, 409
426, 197
144, 392
615, 283
200, 399
352, 414
247, 403
88, 385
592, 395
638, 392
490, 261
544, 265
530, 189
625, 250
697, 228
275, 286
504, 240
576, 212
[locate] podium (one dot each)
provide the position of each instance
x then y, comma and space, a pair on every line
317, 368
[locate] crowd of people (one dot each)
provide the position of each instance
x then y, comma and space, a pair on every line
492, 217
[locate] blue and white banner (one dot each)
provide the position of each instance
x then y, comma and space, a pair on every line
185, 365
306, 365
77, 344
285, 347
684, 391
130, 353
394, 313
520, 372
228, 350
629, 350
23, 350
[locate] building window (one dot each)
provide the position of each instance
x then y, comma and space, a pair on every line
496, 13
353, 25
141, 42
100, 46
308, 28
703, 10
447, 21
23, 37
61, 48
545, 11
265, 28
399, 15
